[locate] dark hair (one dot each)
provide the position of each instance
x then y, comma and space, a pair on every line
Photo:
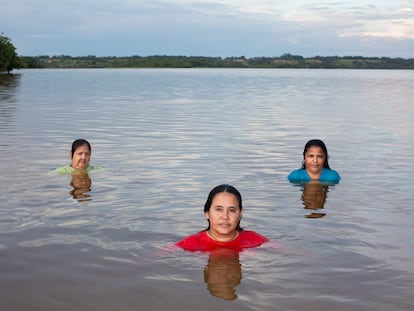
316, 143
220, 189
80, 142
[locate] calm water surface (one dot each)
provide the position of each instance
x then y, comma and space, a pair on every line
164, 138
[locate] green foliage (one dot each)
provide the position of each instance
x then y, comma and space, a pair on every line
8, 56
30, 62
165, 61
9, 61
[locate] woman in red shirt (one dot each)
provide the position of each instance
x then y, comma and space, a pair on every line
223, 211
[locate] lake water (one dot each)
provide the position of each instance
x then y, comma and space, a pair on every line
164, 138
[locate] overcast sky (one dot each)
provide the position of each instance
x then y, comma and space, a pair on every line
210, 27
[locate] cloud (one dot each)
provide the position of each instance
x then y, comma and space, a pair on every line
357, 21
206, 27
384, 26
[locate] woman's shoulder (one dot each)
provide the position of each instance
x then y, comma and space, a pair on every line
298, 175
192, 241
330, 175
252, 238
65, 170
92, 168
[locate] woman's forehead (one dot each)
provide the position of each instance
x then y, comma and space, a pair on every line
225, 198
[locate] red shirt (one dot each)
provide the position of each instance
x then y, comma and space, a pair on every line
202, 242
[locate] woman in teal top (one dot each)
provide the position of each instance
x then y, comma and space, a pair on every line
315, 165
80, 155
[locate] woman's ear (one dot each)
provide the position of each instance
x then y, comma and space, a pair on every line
206, 215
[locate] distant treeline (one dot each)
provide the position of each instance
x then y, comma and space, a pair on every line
164, 61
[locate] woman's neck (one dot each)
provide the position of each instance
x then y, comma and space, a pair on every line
221, 238
314, 176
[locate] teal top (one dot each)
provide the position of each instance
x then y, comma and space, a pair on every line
327, 175
68, 170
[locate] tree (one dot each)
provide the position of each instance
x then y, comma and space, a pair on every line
8, 56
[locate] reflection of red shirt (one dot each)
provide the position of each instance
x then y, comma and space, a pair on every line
202, 242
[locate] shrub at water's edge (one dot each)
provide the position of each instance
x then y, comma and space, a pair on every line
8, 56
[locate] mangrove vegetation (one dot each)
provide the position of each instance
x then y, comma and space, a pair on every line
165, 61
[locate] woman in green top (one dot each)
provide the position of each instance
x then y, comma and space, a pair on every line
80, 155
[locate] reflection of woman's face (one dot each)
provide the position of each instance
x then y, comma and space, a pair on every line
314, 195
222, 275
224, 216
81, 157
314, 160
81, 183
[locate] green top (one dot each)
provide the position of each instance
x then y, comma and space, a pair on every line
68, 170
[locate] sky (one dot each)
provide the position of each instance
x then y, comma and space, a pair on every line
214, 28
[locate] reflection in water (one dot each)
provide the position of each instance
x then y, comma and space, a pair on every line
81, 183
314, 195
223, 273
8, 85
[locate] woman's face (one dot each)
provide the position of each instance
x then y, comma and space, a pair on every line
224, 216
81, 157
314, 160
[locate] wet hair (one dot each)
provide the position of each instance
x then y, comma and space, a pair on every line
220, 189
316, 143
78, 143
